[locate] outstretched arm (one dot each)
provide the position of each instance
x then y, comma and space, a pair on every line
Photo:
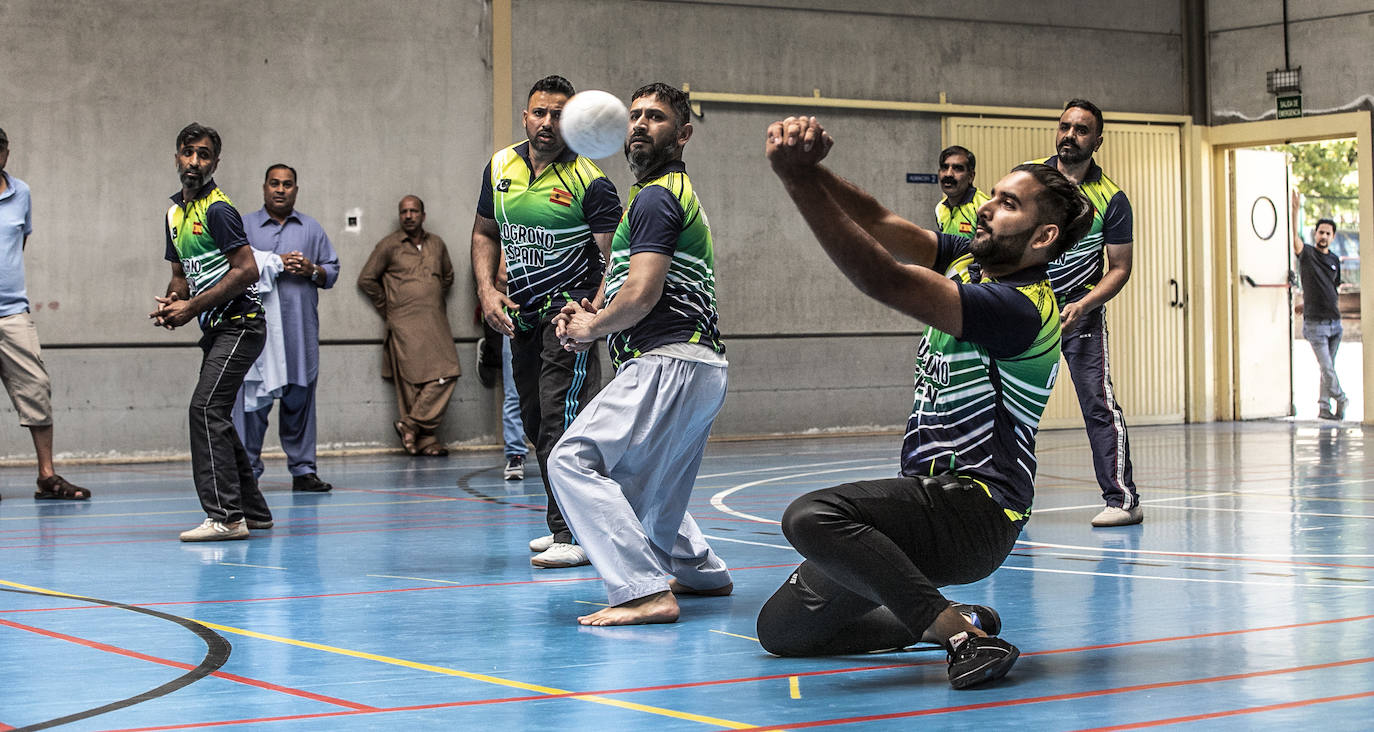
795, 147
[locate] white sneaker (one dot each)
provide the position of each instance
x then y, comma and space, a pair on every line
1114, 516
542, 543
212, 530
559, 556
515, 468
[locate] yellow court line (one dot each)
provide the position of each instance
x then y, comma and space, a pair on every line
735, 635
417, 579
589, 602
794, 687
511, 683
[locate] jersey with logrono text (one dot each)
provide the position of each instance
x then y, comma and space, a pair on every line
199, 235
664, 216
962, 218
546, 225
1080, 268
979, 397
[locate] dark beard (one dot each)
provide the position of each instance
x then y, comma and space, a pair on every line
1077, 156
647, 161
999, 251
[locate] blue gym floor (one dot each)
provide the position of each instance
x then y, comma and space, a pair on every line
405, 600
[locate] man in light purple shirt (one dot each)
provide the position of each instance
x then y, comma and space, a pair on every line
309, 265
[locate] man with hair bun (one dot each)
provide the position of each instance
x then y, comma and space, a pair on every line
877, 551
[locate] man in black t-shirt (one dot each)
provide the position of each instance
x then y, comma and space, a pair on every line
1320, 271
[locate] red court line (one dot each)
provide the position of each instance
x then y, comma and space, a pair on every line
1145, 556
354, 594
828, 672
1233, 712
188, 667
1063, 697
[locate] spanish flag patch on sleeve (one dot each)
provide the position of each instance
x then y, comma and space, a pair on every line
965, 227
561, 197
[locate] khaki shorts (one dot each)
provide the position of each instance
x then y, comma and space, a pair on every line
21, 368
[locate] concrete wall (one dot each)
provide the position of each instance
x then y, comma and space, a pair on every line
1329, 39
371, 101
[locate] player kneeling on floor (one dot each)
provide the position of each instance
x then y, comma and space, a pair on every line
876, 552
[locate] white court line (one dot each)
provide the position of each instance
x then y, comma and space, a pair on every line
417, 579
718, 500
254, 566
197, 509
1152, 501
1327, 585
1159, 552
752, 471
746, 541
1186, 561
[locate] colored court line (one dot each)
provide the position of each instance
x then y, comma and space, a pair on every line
351, 594
751, 679
483, 678
1233, 712
105, 647
1064, 697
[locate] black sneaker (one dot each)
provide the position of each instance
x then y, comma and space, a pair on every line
981, 617
310, 483
515, 468
487, 372
975, 660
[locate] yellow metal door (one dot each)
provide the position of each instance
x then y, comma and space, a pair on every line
1145, 319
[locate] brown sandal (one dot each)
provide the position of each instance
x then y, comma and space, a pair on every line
56, 488
407, 438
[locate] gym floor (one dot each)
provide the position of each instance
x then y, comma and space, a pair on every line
405, 599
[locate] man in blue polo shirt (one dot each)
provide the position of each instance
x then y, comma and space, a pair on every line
21, 359
309, 265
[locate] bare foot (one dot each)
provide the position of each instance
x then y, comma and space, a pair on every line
948, 624
659, 607
677, 588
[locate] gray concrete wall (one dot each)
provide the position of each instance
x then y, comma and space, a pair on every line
1332, 40
374, 100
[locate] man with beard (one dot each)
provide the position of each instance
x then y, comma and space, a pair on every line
213, 280
876, 551
1320, 272
407, 278
552, 213
624, 470
957, 214
1083, 289
309, 265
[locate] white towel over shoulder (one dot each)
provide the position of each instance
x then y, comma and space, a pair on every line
267, 377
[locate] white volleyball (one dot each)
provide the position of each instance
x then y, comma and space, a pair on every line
594, 124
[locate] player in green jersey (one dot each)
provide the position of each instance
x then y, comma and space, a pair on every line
877, 551
957, 213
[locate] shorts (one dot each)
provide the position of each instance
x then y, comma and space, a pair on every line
22, 370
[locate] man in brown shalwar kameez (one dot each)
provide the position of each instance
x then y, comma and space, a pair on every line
407, 278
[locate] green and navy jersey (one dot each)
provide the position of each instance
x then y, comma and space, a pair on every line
663, 215
1080, 269
979, 397
960, 219
199, 235
546, 225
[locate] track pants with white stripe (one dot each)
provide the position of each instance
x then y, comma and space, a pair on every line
624, 472
554, 385
221, 467
1084, 346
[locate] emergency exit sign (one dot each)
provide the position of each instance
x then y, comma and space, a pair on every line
1290, 106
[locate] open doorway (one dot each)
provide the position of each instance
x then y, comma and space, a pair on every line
1279, 193
1324, 186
